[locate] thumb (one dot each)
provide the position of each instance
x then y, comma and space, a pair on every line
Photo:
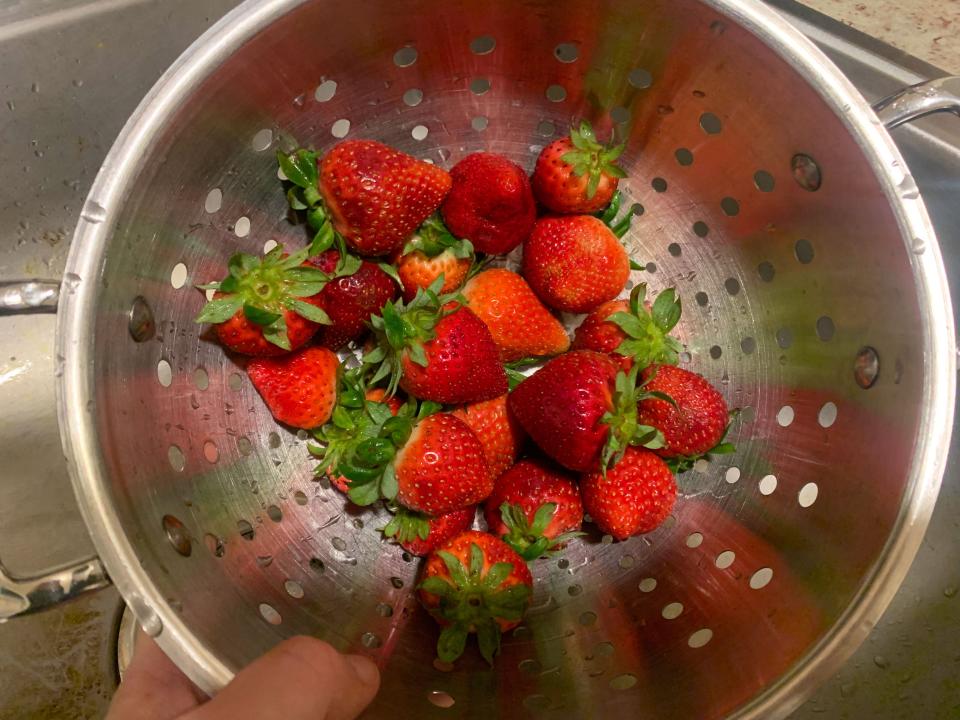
302, 678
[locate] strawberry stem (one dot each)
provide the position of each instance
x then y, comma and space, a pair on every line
589, 157
648, 338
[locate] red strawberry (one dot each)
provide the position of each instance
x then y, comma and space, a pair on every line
350, 300
377, 196
267, 306
421, 534
633, 497
519, 323
496, 429
441, 467
490, 203
574, 263
300, 388
474, 584
696, 423
436, 351
534, 507
631, 332
430, 253
580, 411
577, 174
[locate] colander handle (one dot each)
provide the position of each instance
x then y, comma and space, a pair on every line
917, 101
26, 595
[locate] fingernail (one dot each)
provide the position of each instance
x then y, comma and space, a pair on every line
365, 668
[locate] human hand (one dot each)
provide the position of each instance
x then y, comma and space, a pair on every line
302, 678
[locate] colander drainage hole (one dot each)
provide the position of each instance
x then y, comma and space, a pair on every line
370, 640
316, 564
825, 328
269, 245
546, 128
694, 540
405, 56
262, 140
640, 79
177, 535
808, 495
710, 123
479, 85
764, 181
700, 638
245, 529
715, 352
768, 484
325, 91
672, 611
803, 251
623, 682
536, 702
556, 93
482, 45
766, 271
210, 452
244, 445
587, 618
566, 52
274, 513
176, 458
479, 123
684, 156
748, 345
701, 298
270, 614
701, 229
440, 699
178, 276
384, 610
529, 666
273, 440
293, 588
164, 373
730, 206
413, 97
827, 415
200, 379
725, 559
215, 545
784, 337
420, 132
214, 201
234, 381
340, 128
732, 475
300, 497
785, 416
659, 184
674, 249
761, 578
620, 115
648, 585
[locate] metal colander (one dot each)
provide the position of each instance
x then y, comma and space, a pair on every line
763, 188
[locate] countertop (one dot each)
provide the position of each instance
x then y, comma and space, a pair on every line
927, 29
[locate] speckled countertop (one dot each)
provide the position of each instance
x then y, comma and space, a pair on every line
927, 29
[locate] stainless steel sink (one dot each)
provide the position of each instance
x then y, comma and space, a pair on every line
73, 70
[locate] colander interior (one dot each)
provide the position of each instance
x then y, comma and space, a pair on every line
750, 197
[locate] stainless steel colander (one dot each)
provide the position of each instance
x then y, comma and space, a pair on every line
764, 189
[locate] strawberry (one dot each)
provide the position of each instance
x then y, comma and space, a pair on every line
534, 507
576, 174
374, 196
633, 497
694, 423
490, 202
631, 332
441, 467
267, 306
420, 534
496, 429
300, 388
430, 253
574, 263
519, 323
351, 299
436, 349
474, 583
429, 463
581, 411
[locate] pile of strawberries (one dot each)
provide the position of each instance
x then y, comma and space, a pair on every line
435, 417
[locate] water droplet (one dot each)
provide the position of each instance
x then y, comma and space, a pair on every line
11, 105
35, 87
38, 153
58, 366
264, 560
152, 624
918, 246
78, 83
881, 662
847, 690
950, 591
71, 281
299, 100
94, 212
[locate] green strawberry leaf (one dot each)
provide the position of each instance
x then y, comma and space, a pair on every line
452, 642
219, 310
488, 638
458, 573
261, 317
300, 167
497, 573
388, 484
436, 586
309, 311
276, 332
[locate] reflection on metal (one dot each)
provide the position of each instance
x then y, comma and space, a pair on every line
920, 100
22, 596
29, 296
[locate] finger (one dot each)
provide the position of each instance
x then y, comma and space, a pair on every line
153, 688
302, 678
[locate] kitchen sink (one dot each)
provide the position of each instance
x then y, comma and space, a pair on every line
73, 71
